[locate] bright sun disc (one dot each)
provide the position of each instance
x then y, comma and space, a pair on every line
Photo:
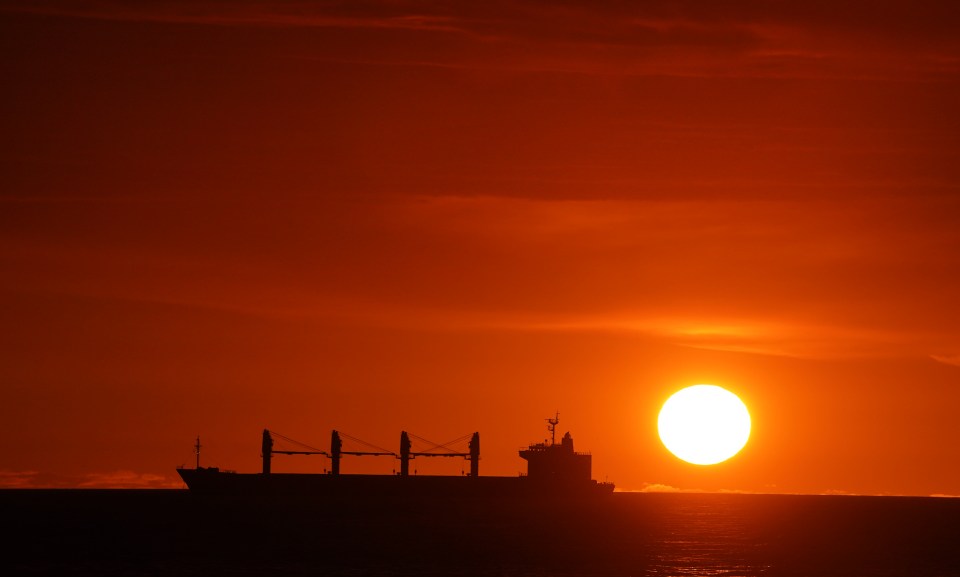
704, 424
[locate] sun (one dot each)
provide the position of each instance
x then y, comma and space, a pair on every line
704, 424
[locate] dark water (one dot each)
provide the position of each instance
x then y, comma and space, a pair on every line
173, 533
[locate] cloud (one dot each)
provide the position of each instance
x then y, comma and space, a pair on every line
663, 488
122, 479
18, 479
717, 275
832, 492
793, 338
648, 39
270, 14
947, 359
125, 479
657, 488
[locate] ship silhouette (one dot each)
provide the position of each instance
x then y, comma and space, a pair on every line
554, 471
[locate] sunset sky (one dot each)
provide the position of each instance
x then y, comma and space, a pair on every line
447, 217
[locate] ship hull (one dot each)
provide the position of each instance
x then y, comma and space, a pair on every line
211, 481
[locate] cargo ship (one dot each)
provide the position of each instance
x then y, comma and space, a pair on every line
554, 469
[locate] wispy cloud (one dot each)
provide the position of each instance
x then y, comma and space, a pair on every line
125, 479
746, 335
727, 276
663, 488
657, 488
648, 40
947, 359
267, 14
121, 479
18, 479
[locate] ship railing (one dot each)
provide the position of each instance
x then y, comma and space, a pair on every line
542, 448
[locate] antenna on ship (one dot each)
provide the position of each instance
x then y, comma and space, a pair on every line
552, 427
196, 449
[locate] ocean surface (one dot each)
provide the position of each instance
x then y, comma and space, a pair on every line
174, 533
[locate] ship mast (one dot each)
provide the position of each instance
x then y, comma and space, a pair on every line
196, 449
552, 427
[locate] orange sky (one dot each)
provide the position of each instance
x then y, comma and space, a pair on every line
418, 215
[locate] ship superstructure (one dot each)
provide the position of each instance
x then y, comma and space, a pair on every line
557, 462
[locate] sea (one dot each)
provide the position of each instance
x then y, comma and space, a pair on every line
175, 533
